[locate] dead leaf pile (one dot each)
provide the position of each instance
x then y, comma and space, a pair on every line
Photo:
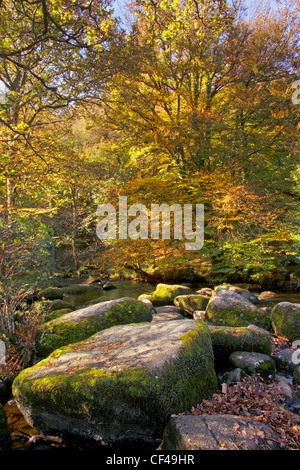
255, 398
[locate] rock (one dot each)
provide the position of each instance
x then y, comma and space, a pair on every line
165, 294
51, 293
168, 309
121, 385
284, 361
225, 341
80, 289
59, 304
266, 295
199, 315
232, 377
145, 297
285, 318
57, 314
232, 309
290, 397
80, 324
190, 303
254, 363
149, 305
167, 317
108, 286
5, 438
238, 290
218, 432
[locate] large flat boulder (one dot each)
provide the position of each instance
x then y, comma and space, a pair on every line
218, 432
80, 324
227, 308
121, 385
285, 318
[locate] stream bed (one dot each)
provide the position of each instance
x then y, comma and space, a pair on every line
21, 432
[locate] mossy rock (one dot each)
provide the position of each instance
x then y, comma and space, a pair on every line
80, 289
254, 363
191, 303
5, 438
226, 340
82, 323
50, 293
60, 304
285, 318
57, 314
145, 297
120, 386
165, 294
237, 290
231, 309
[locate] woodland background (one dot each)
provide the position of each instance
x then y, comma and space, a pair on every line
162, 101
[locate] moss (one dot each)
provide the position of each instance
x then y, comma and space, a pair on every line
57, 314
192, 302
128, 398
59, 304
78, 289
235, 315
227, 340
5, 438
50, 293
61, 331
285, 318
254, 363
165, 294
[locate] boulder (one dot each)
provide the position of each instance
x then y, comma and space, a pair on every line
121, 385
50, 293
80, 324
199, 315
5, 438
167, 316
108, 286
80, 289
231, 377
238, 290
60, 304
218, 432
266, 295
285, 318
285, 363
165, 294
57, 314
192, 302
231, 309
226, 340
254, 363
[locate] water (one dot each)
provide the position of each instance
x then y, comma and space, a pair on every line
122, 289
